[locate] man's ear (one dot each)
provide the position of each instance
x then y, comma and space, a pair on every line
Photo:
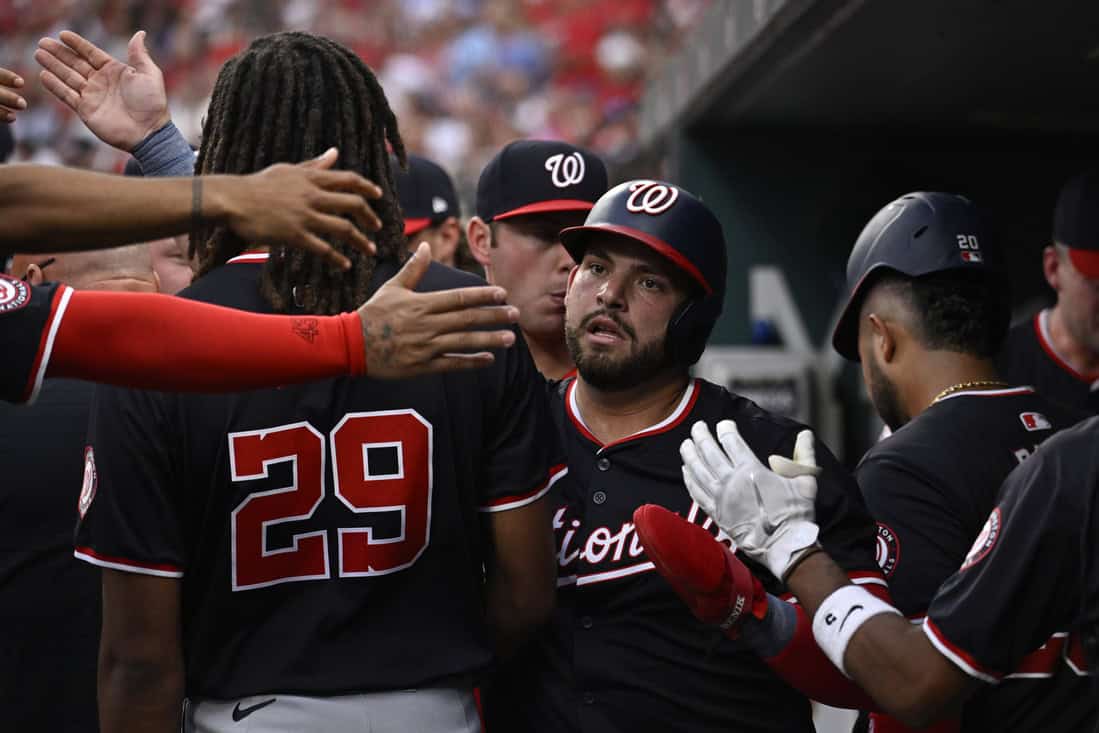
883, 337
1051, 267
34, 275
479, 236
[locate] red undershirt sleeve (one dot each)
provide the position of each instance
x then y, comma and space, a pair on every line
149, 341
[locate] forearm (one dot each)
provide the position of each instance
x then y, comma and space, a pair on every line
57, 209
888, 657
522, 574
806, 668
139, 695
515, 612
161, 342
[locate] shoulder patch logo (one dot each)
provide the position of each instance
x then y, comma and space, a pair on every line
650, 197
14, 294
566, 170
985, 541
888, 550
1035, 421
87, 488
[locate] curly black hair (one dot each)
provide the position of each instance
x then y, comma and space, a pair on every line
955, 310
289, 97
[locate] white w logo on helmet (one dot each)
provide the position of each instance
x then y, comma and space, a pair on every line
565, 170
651, 197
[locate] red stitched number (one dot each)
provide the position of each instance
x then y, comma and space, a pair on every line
403, 491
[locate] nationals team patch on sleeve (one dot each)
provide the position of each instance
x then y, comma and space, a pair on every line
985, 541
14, 294
888, 550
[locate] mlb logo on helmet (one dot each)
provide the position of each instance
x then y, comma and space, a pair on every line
1035, 421
971, 256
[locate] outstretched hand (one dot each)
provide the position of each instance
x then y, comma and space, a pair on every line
769, 514
11, 102
121, 103
409, 333
299, 206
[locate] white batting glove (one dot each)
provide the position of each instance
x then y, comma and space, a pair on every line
768, 513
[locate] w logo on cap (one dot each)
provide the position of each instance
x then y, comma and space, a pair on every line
565, 170
651, 197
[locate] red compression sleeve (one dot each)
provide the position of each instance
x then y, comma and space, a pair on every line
807, 669
160, 342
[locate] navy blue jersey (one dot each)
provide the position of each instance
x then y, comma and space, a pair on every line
328, 535
29, 319
1028, 357
1031, 572
623, 652
931, 485
49, 601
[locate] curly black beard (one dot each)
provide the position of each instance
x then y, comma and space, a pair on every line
885, 398
604, 372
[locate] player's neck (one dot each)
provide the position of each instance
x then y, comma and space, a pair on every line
550, 354
951, 372
611, 416
1068, 348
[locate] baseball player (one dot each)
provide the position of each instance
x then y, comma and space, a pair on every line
432, 213
1058, 350
926, 312
528, 193
623, 653
335, 556
1030, 572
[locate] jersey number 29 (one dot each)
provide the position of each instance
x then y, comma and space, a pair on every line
403, 491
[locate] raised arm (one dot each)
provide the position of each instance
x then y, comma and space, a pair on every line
156, 342
57, 209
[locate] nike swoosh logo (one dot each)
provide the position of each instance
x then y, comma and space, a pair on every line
849, 612
240, 713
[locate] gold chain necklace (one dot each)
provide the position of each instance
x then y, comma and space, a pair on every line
961, 386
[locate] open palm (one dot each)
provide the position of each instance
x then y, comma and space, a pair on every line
120, 103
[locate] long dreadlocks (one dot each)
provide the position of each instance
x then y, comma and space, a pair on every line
287, 98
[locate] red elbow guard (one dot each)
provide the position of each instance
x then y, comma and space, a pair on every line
807, 669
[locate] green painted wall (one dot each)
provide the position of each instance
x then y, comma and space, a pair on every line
797, 198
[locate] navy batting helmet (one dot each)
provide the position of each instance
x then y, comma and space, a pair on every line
918, 234
680, 228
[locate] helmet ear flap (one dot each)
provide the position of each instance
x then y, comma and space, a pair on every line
689, 328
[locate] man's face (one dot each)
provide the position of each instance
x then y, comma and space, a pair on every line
618, 308
442, 238
171, 264
1078, 299
528, 260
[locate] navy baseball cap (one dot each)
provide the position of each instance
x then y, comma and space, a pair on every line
426, 193
1076, 222
538, 176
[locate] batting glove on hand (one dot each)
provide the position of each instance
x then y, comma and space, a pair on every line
768, 513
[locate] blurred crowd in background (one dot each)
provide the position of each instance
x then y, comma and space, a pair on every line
464, 76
